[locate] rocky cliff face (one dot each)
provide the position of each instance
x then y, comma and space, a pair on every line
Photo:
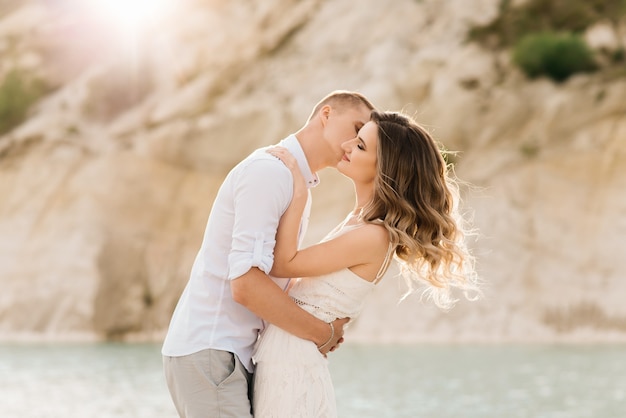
107, 185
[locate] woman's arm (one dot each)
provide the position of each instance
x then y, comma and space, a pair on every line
362, 249
287, 234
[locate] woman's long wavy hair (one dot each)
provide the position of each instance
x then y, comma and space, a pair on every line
416, 199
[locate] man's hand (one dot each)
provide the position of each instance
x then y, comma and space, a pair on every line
337, 338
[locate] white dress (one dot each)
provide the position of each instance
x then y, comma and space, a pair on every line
291, 378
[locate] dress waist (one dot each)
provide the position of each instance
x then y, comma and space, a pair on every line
316, 311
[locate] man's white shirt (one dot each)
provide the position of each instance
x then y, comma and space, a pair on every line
240, 234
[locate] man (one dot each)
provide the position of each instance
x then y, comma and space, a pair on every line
207, 350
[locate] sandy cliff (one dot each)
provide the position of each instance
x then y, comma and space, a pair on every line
107, 185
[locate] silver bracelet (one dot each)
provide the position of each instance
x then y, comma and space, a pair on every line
332, 335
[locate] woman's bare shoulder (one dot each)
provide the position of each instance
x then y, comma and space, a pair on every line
371, 235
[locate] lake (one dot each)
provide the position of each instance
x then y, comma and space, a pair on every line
440, 381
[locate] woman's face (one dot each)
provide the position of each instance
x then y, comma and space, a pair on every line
359, 160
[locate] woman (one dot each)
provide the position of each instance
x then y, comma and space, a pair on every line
405, 209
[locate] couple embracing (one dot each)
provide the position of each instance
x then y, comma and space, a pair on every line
246, 340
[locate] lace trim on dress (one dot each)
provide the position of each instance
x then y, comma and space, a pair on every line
317, 309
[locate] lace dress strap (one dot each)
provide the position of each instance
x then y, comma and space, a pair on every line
385, 265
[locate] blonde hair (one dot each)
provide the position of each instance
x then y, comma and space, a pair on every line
416, 199
342, 99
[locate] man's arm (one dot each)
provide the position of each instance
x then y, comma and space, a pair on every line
257, 292
262, 193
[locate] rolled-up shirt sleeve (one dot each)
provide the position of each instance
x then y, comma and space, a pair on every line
261, 194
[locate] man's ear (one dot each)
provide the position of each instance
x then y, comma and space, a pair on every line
324, 113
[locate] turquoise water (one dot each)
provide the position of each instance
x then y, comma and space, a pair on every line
482, 381
125, 380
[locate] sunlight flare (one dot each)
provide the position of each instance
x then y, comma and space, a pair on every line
130, 15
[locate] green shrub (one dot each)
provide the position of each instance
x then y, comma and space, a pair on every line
557, 55
17, 93
514, 22
619, 56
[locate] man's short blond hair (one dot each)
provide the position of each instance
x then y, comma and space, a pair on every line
342, 99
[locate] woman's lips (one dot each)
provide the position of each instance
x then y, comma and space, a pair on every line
345, 158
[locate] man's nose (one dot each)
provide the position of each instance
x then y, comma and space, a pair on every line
346, 146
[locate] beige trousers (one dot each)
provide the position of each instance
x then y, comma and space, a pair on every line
208, 384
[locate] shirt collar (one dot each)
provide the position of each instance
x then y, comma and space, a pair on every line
292, 144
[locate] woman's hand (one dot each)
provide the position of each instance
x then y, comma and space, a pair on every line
300, 190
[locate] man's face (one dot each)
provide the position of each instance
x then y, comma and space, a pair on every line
343, 125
